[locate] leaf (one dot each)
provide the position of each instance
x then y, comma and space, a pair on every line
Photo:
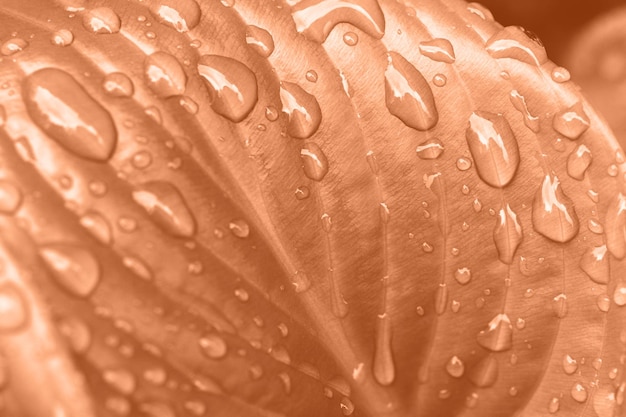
352, 216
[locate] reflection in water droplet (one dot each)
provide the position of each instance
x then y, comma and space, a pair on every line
68, 114
164, 75
507, 234
515, 43
101, 20
167, 208
181, 15
213, 346
74, 268
260, 40
314, 160
595, 263
62, 37
117, 84
408, 95
571, 122
438, 50
455, 367
231, 84
493, 147
498, 336
430, 149
579, 393
13, 46
553, 212
14, 312
484, 373
302, 109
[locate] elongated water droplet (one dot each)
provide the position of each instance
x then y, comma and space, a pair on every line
181, 15
164, 75
315, 19
553, 212
438, 50
519, 102
68, 114
302, 109
232, 86
74, 268
430, 149
260, 40
455, 367
554, 405
167, 207
498, 336
213, 346
493, 147
571, 122
13, 46
484, 373
314, 160
615, 226
14, 313
118, 84
408, 95
579, 392
10, 197
441, 299
98, 226
595, 263
62, 37
239, 228
101, 20
559, 305
384, 368
517, 43
578, 162
507, 234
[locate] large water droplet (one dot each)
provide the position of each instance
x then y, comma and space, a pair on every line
571, 122
514, 42
118, 84
315, 19
13, 46
213, 346
74, 268
455, 367
507, 234
14, 313
260, 40
232, 86
164, 75
430, 149
182, 15
67, 113
302, 108
493, 147
579, 392
438, 50
553, 212
384, 368
519, 102
98, 226
595, 263
408, 95
615, 226
314, 160
167, 207
101, 20
578, 162
498, 336
484, 373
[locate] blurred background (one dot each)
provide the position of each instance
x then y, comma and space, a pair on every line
588, 37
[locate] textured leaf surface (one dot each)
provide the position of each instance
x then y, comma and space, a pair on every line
367, 208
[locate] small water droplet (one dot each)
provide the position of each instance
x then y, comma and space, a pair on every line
350, 38
498, 336
419, 310
120, 379
478, 206
438, 50
68, 114
408, 95
181, 15
553, 212
507, 234
570, 365
604, 402
517, 43
559, 305
138, 267
98, 226
314, 161
560, 74
619, 296
440, 80
603, 302
167, 208
101, 20
14, 313
302, 109
484, 373
232, 86
463, 275
77, 333
579, 393
62, 37
578, 162
427, 247
118, 84
463, 164
311, 76
164, 75
493, 147
471, 401
74, 268
242, 295
213, 346
612, 170
260, 40
455, 367
13, 46
239, 228
554, 405
571, 122
141, 160
302, 192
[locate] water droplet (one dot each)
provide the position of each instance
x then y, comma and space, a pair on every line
463, 275
554, 405
302, 192
181, 15
427, 247
311, 76
10, 197
553, 212
239, 228
127, 224
612, 170
440, 80
559, 305
595, 263
77, 333
441, 299
68, 114
62, 37
138, 267
455, 367
438, 50
560, 74
498, 336
314, 160
619, 296
471, 401
384, 368
408, 95
117, 84
316, 19
570, 365
141, 160
101, 20
603, 302
430, 149
463, 164
514, 42
242, 295
121, 380
213, 346
519, 102
231, 84
578, 162
347, 407
350, 38
98, 226
478, 206
615, 222
480, 10
493, 147
520, 323
13, 46
167, 207
302, 109
604, 402
164, 75
260, 40
13, 308
507, 234
74, 268
571, 122
484, 373
579, 393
